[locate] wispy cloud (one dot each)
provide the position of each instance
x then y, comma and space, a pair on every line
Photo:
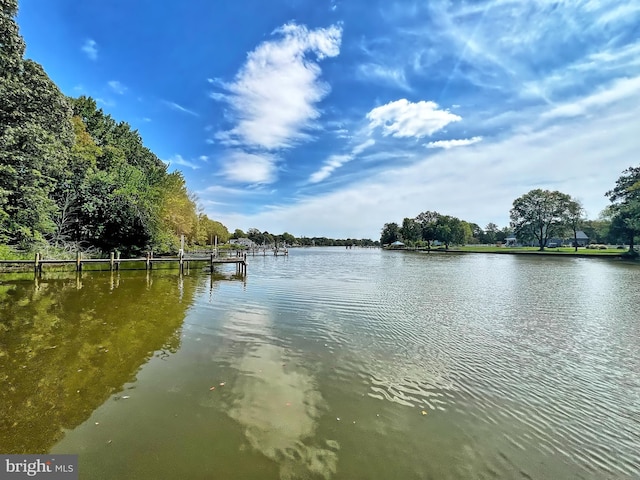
90, 47
274, 95
231, 191
406, 119
446, 144
336, 161
105, 102
497, 178
179, 108
178, 160
243, 167
385, 75
619, 90
117, 87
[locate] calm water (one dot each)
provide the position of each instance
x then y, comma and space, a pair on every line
330, 364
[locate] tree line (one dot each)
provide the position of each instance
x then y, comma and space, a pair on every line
266, 238
72, 175
535, 217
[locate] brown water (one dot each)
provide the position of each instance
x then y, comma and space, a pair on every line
330, 364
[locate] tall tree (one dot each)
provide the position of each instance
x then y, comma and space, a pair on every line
428, 221
574, 217
490, 233
410, 230
35, 138
452, 230
625, 198
540, 214
390, 233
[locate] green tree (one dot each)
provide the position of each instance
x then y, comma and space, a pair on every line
390, 233
288, 238
540, 214
451, 230
410, 230
254, 235
213, 229
490, 233
574, 217
35, 138
428, 221
476, 233
598, 230
625, 208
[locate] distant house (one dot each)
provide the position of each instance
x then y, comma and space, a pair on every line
245, 242
397, 244
581, 238
511, 241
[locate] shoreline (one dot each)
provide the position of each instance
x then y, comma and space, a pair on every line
620, 256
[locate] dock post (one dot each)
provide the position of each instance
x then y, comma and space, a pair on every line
150, 259
36, 263
211, 263
244, 265
146, 261
78, 261
117, 260
111, 261
181, 260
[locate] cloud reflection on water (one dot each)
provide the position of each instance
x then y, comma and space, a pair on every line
277, 403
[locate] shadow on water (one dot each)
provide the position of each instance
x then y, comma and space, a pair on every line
68, 342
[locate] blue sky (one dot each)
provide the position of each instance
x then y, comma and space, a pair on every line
329, 117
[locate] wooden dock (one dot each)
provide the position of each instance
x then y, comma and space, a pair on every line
263, 251
114, 261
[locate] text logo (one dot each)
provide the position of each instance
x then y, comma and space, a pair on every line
49, 467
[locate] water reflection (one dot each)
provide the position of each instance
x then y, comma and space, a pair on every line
67, 342
525, 368
277, 402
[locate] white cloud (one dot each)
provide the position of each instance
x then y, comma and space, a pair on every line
203, 158
446, 144
274, 94
106, 103
178, 160
90, 47
406, 119
255, 190
619, 90
179, 108
358, 149
582, 157
373, 72
117, 87
336, 161
243, 167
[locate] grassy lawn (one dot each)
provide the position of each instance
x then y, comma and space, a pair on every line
534, 250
